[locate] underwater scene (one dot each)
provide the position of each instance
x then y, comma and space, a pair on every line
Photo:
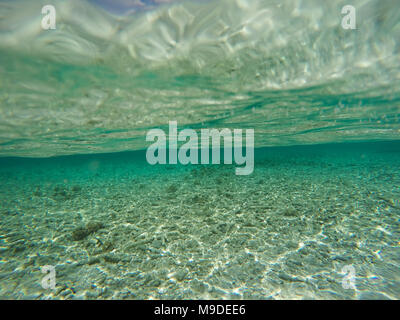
215, 149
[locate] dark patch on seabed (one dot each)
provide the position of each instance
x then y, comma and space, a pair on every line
115, 227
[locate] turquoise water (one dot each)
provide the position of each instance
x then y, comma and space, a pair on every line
77, 193
199, 231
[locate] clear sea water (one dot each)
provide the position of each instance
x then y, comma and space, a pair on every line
76, 192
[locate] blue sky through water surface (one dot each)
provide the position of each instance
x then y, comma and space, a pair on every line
126, 6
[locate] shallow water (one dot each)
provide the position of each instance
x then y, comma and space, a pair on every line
77, 193
284, 232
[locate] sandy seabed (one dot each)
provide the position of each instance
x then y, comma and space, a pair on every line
117, 228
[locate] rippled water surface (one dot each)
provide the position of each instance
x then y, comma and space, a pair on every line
98, 82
